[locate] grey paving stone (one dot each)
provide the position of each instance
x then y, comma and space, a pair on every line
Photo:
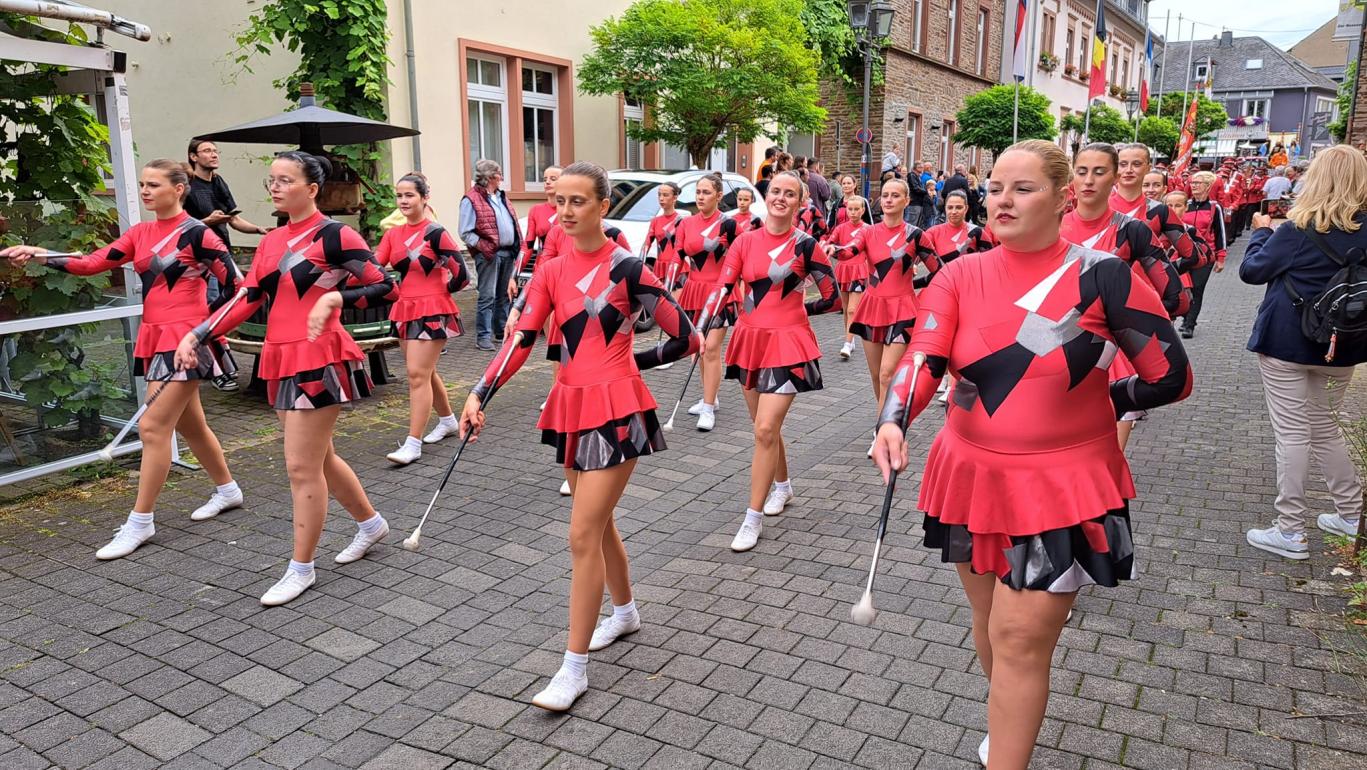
262, 686
165, 736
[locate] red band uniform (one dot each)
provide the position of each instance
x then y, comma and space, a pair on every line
430, 268
888, 310
1026, 479
294, 266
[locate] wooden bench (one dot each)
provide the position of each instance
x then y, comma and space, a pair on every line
373, 347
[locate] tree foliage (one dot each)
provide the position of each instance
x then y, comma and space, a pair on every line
986, 118
1107, 125
1159, 133
1210, 114
52, 160
341, 47
1339, 128
827, 23
705, 69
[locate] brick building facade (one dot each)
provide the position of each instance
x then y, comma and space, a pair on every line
941, 51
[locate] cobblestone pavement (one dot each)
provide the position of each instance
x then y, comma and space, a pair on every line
1221, 656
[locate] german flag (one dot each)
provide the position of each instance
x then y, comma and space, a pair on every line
1097, 82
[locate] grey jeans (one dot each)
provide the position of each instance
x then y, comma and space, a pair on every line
1302, 401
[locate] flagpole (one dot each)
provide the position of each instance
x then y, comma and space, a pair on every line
1191, 49
1163, 65
1016, 115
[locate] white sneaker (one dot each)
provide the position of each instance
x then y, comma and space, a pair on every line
697, 408
441, 431
360, 544
612, 628
776, 501
872, 444
1337, 525
707, 421
982, 751
1273, 540
126, 541
845, 351
565, 488
288, 588
542, 408
218, 503
747, 536
562, 692
405, 454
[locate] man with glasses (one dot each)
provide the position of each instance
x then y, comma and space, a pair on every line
489, 227
211, 202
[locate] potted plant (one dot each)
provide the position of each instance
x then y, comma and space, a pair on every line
1047, 61
1070, 70
1084, 76
1117, 91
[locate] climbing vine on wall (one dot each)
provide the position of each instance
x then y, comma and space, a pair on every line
341, 47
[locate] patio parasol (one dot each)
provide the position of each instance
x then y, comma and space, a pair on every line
310, 127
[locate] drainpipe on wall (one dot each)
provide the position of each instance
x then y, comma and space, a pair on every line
1305, 120
412, 81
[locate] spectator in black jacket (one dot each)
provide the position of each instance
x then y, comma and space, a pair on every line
1304, 393
959, 181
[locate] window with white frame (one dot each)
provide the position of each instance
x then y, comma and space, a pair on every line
913, 146
980, 56
1253, 64
486, 101
1324, 104
952, 46
1256, 108
918, 15
539, 124
633, 150
1200, 75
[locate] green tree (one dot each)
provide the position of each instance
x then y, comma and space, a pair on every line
1107, 125
1210, 114
341, 47
705, 69
986, 118
55, 160
1159, 133
1339, 128
827, 23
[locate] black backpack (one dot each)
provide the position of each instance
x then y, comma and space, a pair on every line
1338, 314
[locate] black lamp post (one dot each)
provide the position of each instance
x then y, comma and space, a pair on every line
871, 21
1131, 107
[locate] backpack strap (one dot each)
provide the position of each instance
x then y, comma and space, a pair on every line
1317, 238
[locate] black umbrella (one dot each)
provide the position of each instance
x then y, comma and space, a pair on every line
310, 128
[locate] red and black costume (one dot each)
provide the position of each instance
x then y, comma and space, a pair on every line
1208, 218
557, 243
851, 265
430, 268
172, 257
295, 265
1163, 223
810, 221
599, 412
701, 243
950, 242
1026, 479
540, 220
746, 222
773, 349
661, 236
888, 311
1135, 244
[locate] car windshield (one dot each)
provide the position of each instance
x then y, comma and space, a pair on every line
636, 200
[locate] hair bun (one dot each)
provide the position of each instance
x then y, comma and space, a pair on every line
325, 164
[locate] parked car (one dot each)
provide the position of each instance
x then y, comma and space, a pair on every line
635, 202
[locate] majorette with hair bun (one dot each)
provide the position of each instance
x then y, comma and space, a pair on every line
702, 242
430, 268
888, 310
556, 244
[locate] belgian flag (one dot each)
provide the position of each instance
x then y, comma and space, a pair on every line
1097, 82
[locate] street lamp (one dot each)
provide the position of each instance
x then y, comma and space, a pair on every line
871, 21
1131, 107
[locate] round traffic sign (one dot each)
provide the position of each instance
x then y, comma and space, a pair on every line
863, 135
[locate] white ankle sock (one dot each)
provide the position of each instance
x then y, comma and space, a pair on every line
706, 407
371, 525
576, 664
139, 520
785, 487
413, 442
753, 516
229, 489
449, 421
303, 569
624, 611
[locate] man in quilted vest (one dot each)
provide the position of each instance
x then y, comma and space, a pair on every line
488, 226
